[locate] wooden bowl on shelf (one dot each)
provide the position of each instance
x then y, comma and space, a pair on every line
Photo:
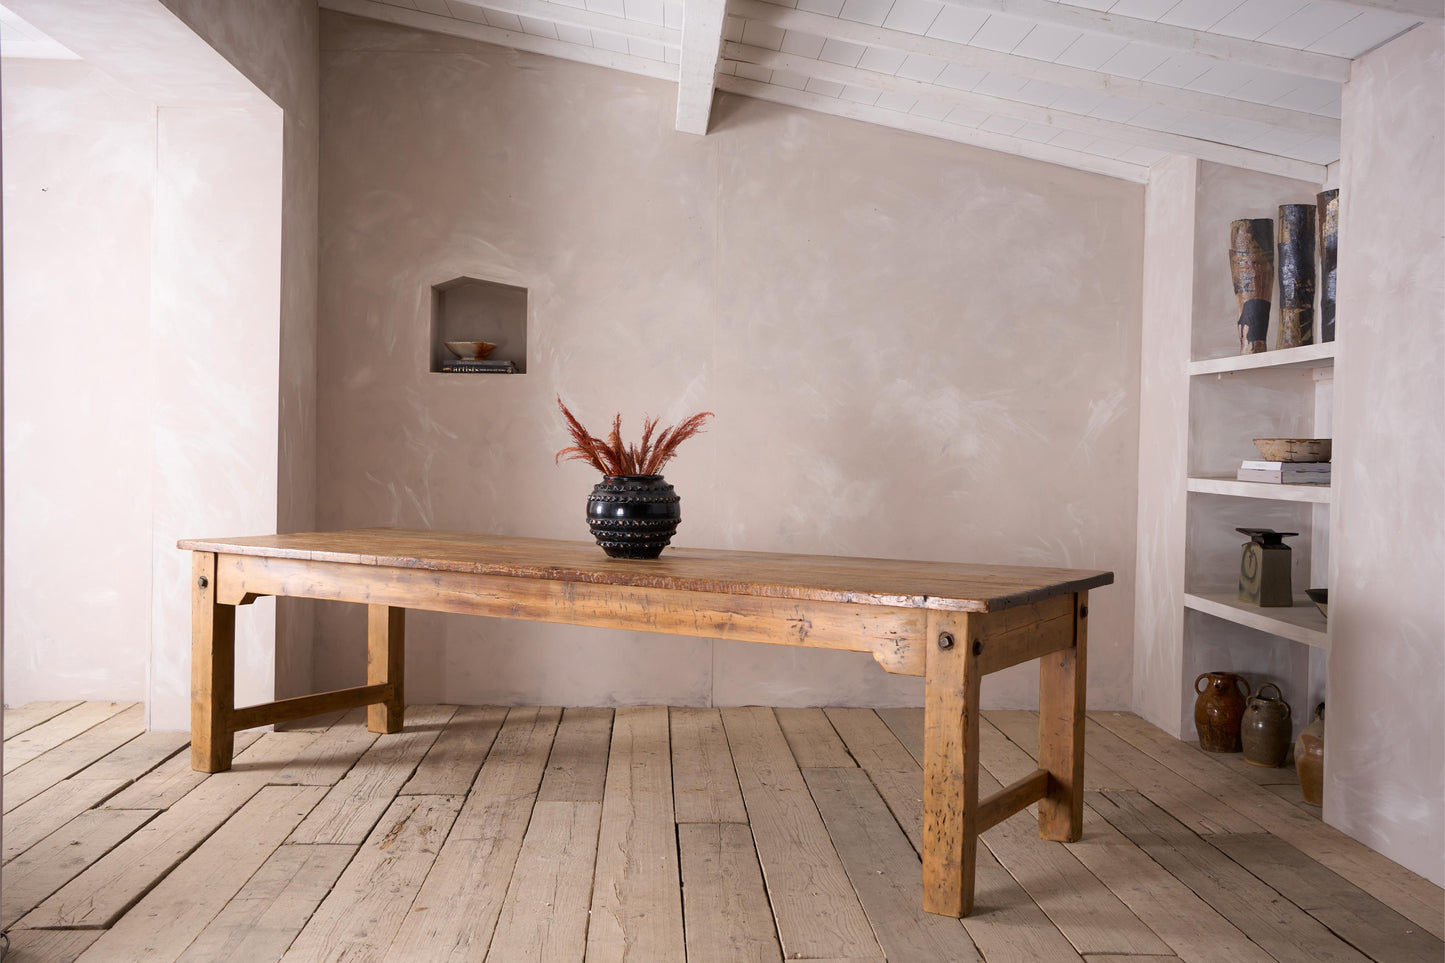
470, 350
1294, 449
1321, 598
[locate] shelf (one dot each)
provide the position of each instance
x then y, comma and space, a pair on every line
1225, 485
1305, 356
1301, 623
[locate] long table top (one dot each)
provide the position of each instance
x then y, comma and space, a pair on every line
824, 578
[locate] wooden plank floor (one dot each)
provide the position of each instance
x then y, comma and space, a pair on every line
652, 835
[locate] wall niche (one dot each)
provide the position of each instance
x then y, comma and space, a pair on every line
471, 309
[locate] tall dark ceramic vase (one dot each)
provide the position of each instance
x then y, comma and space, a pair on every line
1251, 263
1327, 214
633, 516
1296, 275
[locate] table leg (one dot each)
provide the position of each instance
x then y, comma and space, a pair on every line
1063, 679
213, 669
950, 764
386, 665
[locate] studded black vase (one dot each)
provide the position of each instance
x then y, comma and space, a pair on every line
633, 516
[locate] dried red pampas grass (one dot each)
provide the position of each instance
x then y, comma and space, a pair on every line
612, 457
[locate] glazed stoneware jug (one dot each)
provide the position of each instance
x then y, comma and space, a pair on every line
1309, 759
1218, 710
1265, 728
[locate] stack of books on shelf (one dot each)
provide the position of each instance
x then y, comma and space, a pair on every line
1285, 472
479, 367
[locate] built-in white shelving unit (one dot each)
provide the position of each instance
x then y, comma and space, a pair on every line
1306, 356
1302, 623
1226, 485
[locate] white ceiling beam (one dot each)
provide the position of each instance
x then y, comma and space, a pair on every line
702, 25
1032, 113
1027, 68
1201, 43
578, 17
1017, 146
505, 38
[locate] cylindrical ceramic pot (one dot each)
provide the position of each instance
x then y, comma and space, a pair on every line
633, 516
1264, 730
1218, 710
1251, 264
1327, 216
1296, 275
1309, 759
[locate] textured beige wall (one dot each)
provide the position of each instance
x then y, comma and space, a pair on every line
1385, 728
80, 179
213, 357
1168, 304
914, 348
275, 44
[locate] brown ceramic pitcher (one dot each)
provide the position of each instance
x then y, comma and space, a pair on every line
1218, 710
1265, 728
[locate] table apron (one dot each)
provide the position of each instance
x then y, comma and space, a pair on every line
893, 635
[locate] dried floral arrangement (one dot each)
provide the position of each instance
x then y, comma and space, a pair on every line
611, 457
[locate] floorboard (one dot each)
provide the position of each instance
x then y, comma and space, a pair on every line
655, 835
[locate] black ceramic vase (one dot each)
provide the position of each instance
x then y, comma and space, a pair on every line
633, 516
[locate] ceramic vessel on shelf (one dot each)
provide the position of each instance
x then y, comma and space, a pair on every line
1218, 710
470, 350
1251, 264
1327, 219
1294, 449
1264, 729
1309, 759
1321, 598
1296, 275
633, 516
1264, 568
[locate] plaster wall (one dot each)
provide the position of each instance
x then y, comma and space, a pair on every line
275, 44
1168, 304
79, 182
212, 269
914, 349
1385, 728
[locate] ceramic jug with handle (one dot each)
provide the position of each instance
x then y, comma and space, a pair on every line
1265, 728
1218, 710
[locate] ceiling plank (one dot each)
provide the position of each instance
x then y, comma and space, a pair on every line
702, 25
1017, 146
579, 17
1063, 120
1421, 9
505, 38
787, 18
1201, 43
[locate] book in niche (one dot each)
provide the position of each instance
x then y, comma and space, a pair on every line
1284, 477
1298, 466
479, 367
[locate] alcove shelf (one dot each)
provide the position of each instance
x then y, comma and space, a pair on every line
1302, 622
1227, 485
1305, 356
473, 309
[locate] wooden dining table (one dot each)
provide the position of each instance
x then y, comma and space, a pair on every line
947, 622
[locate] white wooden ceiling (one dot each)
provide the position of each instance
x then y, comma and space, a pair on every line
1111, 86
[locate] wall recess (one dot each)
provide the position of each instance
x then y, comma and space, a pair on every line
471, 309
